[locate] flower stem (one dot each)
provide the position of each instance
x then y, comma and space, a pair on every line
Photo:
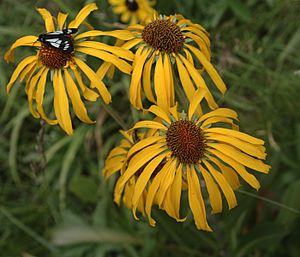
114, 115
270, 201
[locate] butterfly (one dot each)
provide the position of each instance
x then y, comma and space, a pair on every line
60, 39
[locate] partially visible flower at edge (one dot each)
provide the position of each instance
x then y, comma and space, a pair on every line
187, 151
133, 11
63, 68
169, 44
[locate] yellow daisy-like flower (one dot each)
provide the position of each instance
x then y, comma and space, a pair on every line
63, 68
164, 46
190, 152
133, 11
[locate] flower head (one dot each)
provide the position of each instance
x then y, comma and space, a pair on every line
193, 153
63, 68
133, 11
166, 45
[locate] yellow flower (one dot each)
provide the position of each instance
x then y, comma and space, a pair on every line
193, 153
170, 44
133, 10
64, 67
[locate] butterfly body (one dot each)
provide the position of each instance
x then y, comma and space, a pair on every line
60, 39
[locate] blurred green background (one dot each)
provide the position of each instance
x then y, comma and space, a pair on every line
53, 199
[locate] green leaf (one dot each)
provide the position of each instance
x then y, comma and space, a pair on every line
84, 188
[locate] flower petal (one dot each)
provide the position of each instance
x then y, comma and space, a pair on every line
88, 94
224, 185
83, 13
77, 103
143, 180
95, 80
239, 168
119, 63
40, 98
195, 102
237, 134
160, 86
120, 34
149, 124
209, 68
159, 112
118, 51
61, 104
147, 81
61, 19
26, 61
214, 194
32, 90
23, 41
196, 200
47, 16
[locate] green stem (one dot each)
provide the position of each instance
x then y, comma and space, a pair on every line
270, 201
114, 115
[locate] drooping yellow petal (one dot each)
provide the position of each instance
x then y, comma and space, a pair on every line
201, 44
143, 180
61, 104
244, 146
147, 81
208, 122
149, 124
136, 78
185, 79
159, 112
23, 41
142, 144
120, 34
199, 82
224, 185
61, 19
153, 190
47, 16
169, 83
32, 90
196, 200
94, 79
241, 157
119, 63
237, 134
166, 182
132, 43
229, 173
209, 68
77, 103
223, 112
137, 161
26, 61
172, 200
239, 168
118, 51
40, 98
88, 93
160, 86
83, 13
27, 70
215, 198
195, 102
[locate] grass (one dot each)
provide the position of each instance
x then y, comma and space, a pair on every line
64, 208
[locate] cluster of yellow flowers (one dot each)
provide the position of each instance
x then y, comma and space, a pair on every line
194, 153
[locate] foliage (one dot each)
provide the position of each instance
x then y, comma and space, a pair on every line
53, 199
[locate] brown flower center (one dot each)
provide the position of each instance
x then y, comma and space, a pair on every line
186, 141
132, 5
53, 58
163, 35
